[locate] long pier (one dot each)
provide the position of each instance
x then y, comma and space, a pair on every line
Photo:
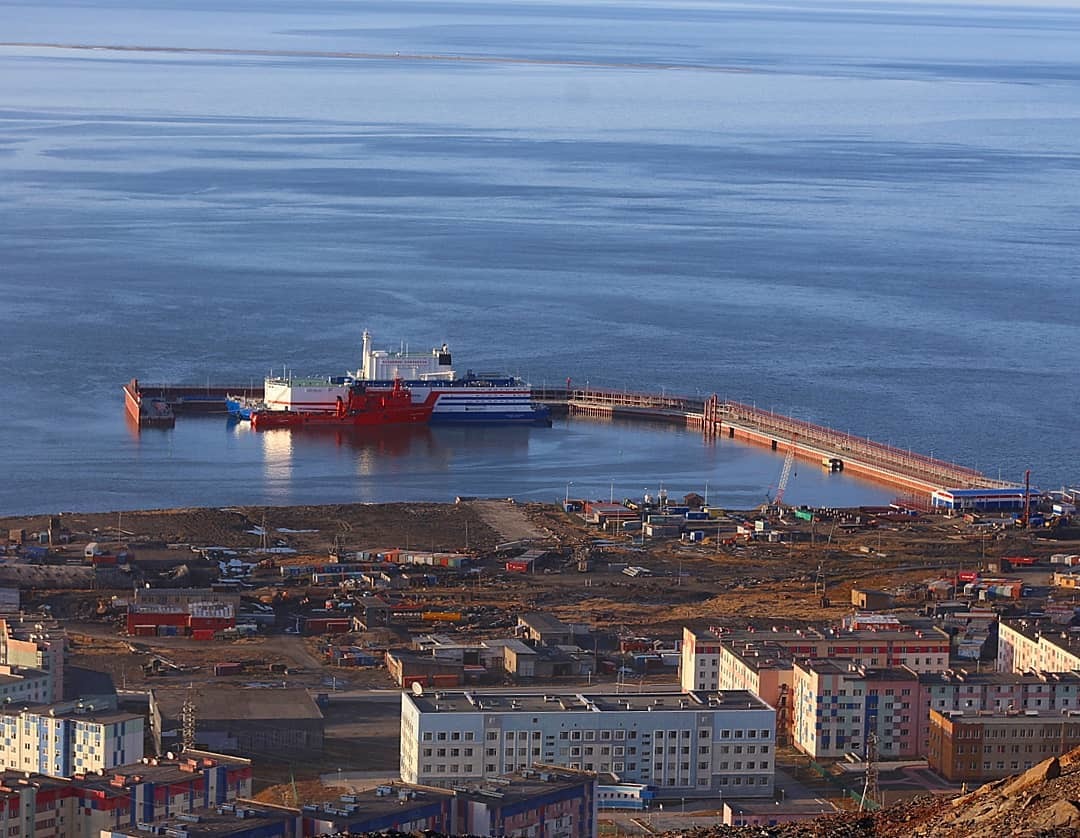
715, 418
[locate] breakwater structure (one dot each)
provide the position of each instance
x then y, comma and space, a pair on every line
715, 418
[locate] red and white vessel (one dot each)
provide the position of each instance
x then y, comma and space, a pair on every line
428, 376
355, 407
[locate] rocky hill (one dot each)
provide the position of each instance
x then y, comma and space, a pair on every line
1043, 802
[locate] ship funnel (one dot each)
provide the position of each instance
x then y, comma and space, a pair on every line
364, 371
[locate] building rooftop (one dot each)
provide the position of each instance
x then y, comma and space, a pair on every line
762, 654
541, 621
1035, 628
963, 676
226, 819
460, 701
523, 785
235, 703
367, 802
372, 801
870, 673
518, 647
87, 714
158, 771
1007, 717
784, 637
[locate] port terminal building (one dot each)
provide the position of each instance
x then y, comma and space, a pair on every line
981, 500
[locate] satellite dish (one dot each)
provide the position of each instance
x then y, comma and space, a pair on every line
417, 688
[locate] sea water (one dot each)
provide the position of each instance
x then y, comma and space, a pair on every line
863, 214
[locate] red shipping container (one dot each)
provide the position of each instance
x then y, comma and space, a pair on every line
155, 619
202, 634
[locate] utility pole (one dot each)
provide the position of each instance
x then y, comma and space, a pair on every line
188, 720
870, 786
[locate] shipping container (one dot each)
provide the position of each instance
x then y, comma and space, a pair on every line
228, 668
442, 616
202, 634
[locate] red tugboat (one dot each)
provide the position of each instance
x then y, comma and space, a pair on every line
359, 409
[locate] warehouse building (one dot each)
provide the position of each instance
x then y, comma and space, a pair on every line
981, 500
238, 721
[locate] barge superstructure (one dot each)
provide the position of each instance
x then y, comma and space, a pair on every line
428, 376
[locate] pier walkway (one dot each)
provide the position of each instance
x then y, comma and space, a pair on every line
717, 417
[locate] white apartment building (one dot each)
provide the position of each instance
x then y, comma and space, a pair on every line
689, 744
699, 662
760, 661
63, 744
1036, 646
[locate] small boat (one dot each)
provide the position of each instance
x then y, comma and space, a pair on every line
241, 407
359, 408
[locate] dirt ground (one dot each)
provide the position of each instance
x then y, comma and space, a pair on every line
307, 529
712, 582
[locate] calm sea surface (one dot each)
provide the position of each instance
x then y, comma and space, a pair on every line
863, 214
